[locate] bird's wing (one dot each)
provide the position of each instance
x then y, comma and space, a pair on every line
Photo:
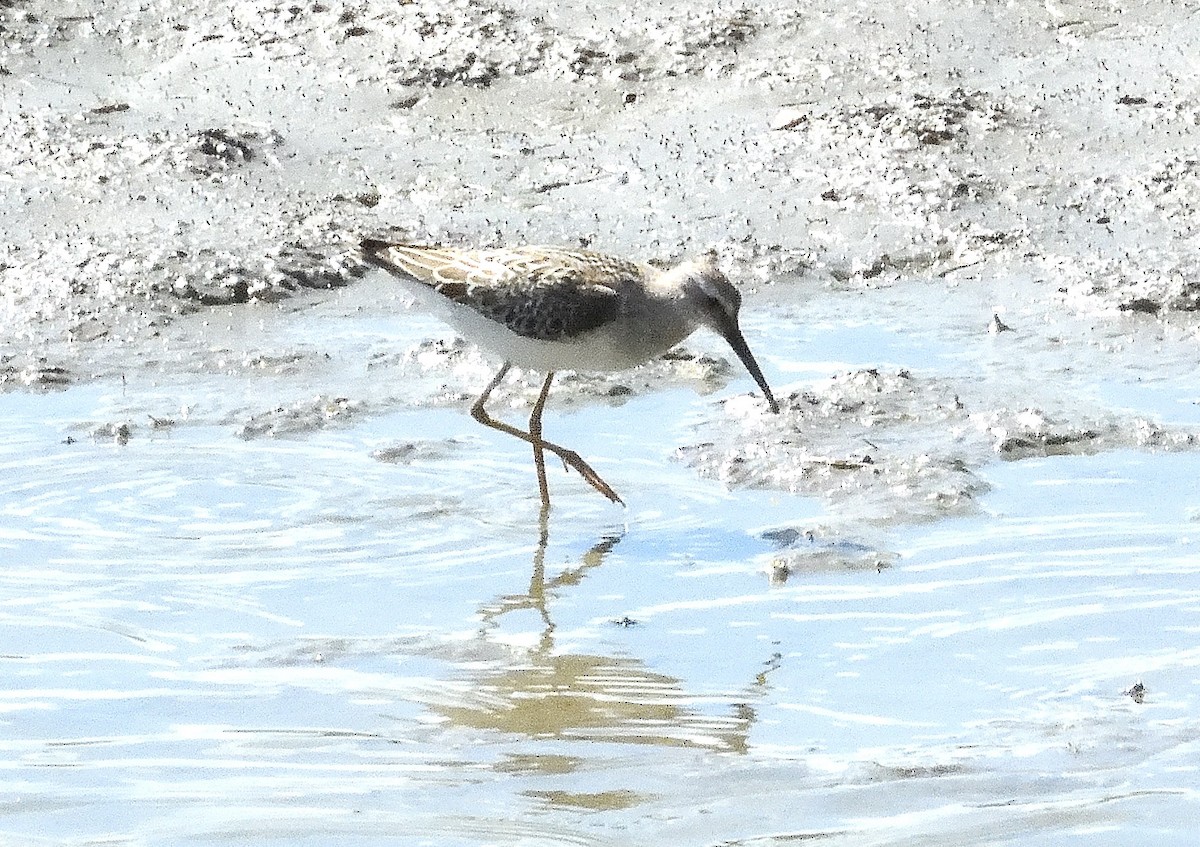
549, 294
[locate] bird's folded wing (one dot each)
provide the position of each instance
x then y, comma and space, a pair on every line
534, 295
552, 310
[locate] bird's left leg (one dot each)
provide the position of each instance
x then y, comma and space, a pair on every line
535, 431
570, 458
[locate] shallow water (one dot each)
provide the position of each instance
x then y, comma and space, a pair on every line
343, 623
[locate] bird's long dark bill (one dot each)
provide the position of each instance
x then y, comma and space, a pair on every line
739, 345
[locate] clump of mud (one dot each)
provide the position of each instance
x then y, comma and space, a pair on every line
155, 224
898, 447
806, 551
899, 178
301, 417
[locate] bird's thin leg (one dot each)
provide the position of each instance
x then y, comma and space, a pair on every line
569, 457
477, 409
535, 430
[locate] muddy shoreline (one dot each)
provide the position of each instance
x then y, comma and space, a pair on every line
266, 580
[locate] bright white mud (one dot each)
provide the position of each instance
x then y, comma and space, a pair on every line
266, 582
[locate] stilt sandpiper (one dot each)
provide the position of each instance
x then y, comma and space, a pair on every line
554, 308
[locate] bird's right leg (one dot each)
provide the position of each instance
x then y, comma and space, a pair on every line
569, 457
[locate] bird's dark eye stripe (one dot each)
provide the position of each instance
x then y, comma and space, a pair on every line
720, 308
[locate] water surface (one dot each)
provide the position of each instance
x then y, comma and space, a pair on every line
314, 603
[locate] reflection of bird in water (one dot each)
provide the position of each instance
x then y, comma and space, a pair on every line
547, 692
535, 598
553, 308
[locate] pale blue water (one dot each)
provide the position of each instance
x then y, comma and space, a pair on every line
207, 639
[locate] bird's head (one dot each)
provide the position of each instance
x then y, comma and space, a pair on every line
713, 301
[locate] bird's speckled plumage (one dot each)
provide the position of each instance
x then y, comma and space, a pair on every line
545, 293
553, 308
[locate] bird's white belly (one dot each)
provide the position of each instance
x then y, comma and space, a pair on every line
613, 347
623, 343
599, 350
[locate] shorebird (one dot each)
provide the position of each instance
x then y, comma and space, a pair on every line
554, 308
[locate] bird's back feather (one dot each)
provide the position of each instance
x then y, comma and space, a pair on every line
543, 293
